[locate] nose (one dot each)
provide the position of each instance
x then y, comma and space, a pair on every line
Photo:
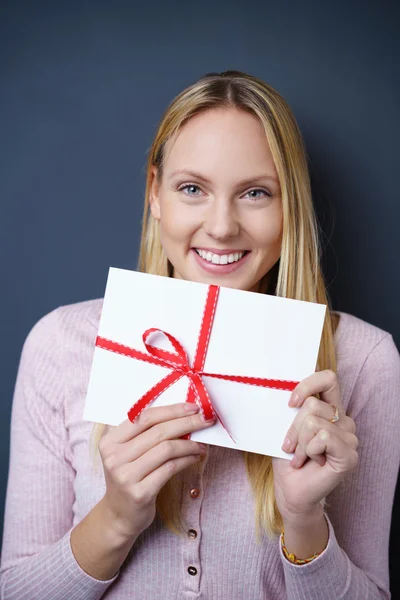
220, 220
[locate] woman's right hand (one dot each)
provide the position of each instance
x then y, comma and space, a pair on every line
139, 458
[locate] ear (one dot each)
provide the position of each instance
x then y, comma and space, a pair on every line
154, 198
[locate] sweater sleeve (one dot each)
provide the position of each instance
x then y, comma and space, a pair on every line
354, 565
37, 561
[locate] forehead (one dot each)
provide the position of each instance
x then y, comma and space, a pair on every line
220, 139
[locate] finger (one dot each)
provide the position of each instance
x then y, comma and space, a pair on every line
150, 486
340, 456
325, 383
166, 430
149, 417
145, 463
311, 406
313, 426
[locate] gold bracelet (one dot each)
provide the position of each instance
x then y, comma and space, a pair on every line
291, 557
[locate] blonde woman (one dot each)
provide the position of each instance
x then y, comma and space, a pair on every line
228, 202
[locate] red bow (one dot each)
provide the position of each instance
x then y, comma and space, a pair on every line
178, 363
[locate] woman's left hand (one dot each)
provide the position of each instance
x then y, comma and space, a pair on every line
324, 451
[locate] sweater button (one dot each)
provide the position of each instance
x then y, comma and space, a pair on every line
192, 533
195, 493
192, 571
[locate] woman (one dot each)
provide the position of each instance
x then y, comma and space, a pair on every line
228, 202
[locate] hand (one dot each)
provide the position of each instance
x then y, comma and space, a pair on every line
324, 452
140, 457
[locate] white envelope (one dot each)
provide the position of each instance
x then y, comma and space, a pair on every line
254, 335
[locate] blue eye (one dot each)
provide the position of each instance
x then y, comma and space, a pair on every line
189, 187
257, 191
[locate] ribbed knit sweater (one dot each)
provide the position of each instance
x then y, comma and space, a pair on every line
52, 485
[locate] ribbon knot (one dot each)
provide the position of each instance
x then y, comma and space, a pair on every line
187, 370
178, 364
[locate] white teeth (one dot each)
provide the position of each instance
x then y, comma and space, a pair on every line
220, 259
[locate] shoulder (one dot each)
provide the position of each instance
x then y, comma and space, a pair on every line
57, 353
357, 340
80, 316
356, 336
67, 332
367, 356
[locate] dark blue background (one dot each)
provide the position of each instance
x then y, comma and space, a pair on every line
82, 87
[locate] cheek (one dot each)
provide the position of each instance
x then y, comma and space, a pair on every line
178, 221
266, 230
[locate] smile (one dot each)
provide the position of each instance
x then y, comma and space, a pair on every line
220, 259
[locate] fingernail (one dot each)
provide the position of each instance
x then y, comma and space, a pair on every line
286, 444
294, 399
294, 462
203, 447
191, 408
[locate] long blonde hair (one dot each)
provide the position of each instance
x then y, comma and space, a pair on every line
297, 274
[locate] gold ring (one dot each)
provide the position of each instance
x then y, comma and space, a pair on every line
335, 417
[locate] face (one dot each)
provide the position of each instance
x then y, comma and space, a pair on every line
218, 201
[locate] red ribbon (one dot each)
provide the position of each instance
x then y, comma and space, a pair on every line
179, 366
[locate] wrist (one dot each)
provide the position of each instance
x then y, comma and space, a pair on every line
99, 547
304, 520
115, 527
307, 538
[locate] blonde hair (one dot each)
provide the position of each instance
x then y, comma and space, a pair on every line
297, 274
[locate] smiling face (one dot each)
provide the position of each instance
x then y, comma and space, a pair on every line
218, 201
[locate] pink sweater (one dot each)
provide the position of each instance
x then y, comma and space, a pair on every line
52, 486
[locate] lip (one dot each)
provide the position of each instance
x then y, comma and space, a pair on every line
221, 252
220, 269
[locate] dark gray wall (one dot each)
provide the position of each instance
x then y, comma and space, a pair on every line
82, 86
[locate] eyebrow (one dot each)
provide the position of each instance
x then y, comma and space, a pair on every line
242, 183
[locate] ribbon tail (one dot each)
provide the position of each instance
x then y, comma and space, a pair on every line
201, 396
152, 394
187, 436
200, 393
224, 426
